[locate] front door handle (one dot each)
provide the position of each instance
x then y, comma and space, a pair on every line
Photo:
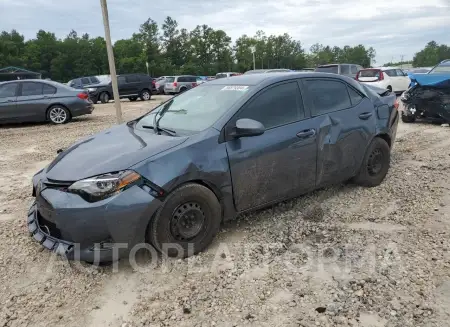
306, 133
365, 116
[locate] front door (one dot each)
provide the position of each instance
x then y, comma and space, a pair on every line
32, 103
281, 162
8, 97
347, 120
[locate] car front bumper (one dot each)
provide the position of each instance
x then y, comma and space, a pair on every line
103, 231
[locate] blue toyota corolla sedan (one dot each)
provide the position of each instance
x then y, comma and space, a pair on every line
229, 146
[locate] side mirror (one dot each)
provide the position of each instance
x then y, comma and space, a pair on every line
246, 127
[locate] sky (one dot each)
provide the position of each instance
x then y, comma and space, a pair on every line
394, 28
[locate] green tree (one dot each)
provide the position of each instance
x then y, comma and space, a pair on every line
431, 55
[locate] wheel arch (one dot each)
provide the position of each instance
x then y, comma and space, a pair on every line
385, 137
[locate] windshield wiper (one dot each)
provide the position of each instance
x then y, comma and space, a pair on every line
161, 114
166, 130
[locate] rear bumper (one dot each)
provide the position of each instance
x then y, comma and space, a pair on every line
84, 109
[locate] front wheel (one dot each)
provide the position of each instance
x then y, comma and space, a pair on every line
58, 115
104, 97
375, 164
187, 221
146, 95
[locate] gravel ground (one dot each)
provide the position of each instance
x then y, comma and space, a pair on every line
342, 256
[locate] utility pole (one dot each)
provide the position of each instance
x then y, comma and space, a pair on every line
112, 65
401, 61
253, 50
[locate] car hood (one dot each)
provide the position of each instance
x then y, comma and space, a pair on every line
115, 149
435, 80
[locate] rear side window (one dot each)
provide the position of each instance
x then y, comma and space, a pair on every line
29, 89
85, 80
355, 97
354, 69
121, 80
345, 69
48, 89
94, 80
400, 72
390, 72
276, 106
182, 79
327, 96
193, 79
132, 78
8, 90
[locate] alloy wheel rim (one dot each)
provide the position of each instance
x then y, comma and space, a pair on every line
58, 115
187, 221
146, 95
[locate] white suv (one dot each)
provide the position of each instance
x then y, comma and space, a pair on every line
392, 78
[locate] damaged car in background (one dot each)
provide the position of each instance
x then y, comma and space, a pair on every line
428, 98
226, 147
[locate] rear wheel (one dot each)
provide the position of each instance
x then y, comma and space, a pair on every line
146, 95
183, 89
375, 164
58, 115
187, 221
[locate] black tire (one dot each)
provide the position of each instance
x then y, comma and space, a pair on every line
132, 99
104, 97
145, 95
183, 89
375, 164
408, 119
58, 115
191, 204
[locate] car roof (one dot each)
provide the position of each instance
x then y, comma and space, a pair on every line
269, 78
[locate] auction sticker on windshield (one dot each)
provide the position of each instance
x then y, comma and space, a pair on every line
235, 88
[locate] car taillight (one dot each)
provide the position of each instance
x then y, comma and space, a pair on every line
194, 84
396, 104
153, 82
175, 84
83, 96
357, 76
381, 76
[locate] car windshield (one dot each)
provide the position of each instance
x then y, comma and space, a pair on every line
328, 69
196, 109
443, 68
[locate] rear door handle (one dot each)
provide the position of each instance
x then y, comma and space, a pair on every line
306, 133
365, 116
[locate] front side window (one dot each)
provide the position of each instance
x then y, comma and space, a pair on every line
85, 81
390, 72
198, 109
327, 95
443, 68
354, 69
8, 90
29, 89
276, 106
132, 79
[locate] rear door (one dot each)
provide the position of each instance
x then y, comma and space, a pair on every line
8, 98
280, 163
347, 122
133, 84
32, 103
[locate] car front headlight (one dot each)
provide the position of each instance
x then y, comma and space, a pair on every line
103, 186
92, 89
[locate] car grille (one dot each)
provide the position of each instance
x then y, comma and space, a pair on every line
59, 185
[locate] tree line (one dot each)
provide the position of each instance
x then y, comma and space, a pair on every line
169, 50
